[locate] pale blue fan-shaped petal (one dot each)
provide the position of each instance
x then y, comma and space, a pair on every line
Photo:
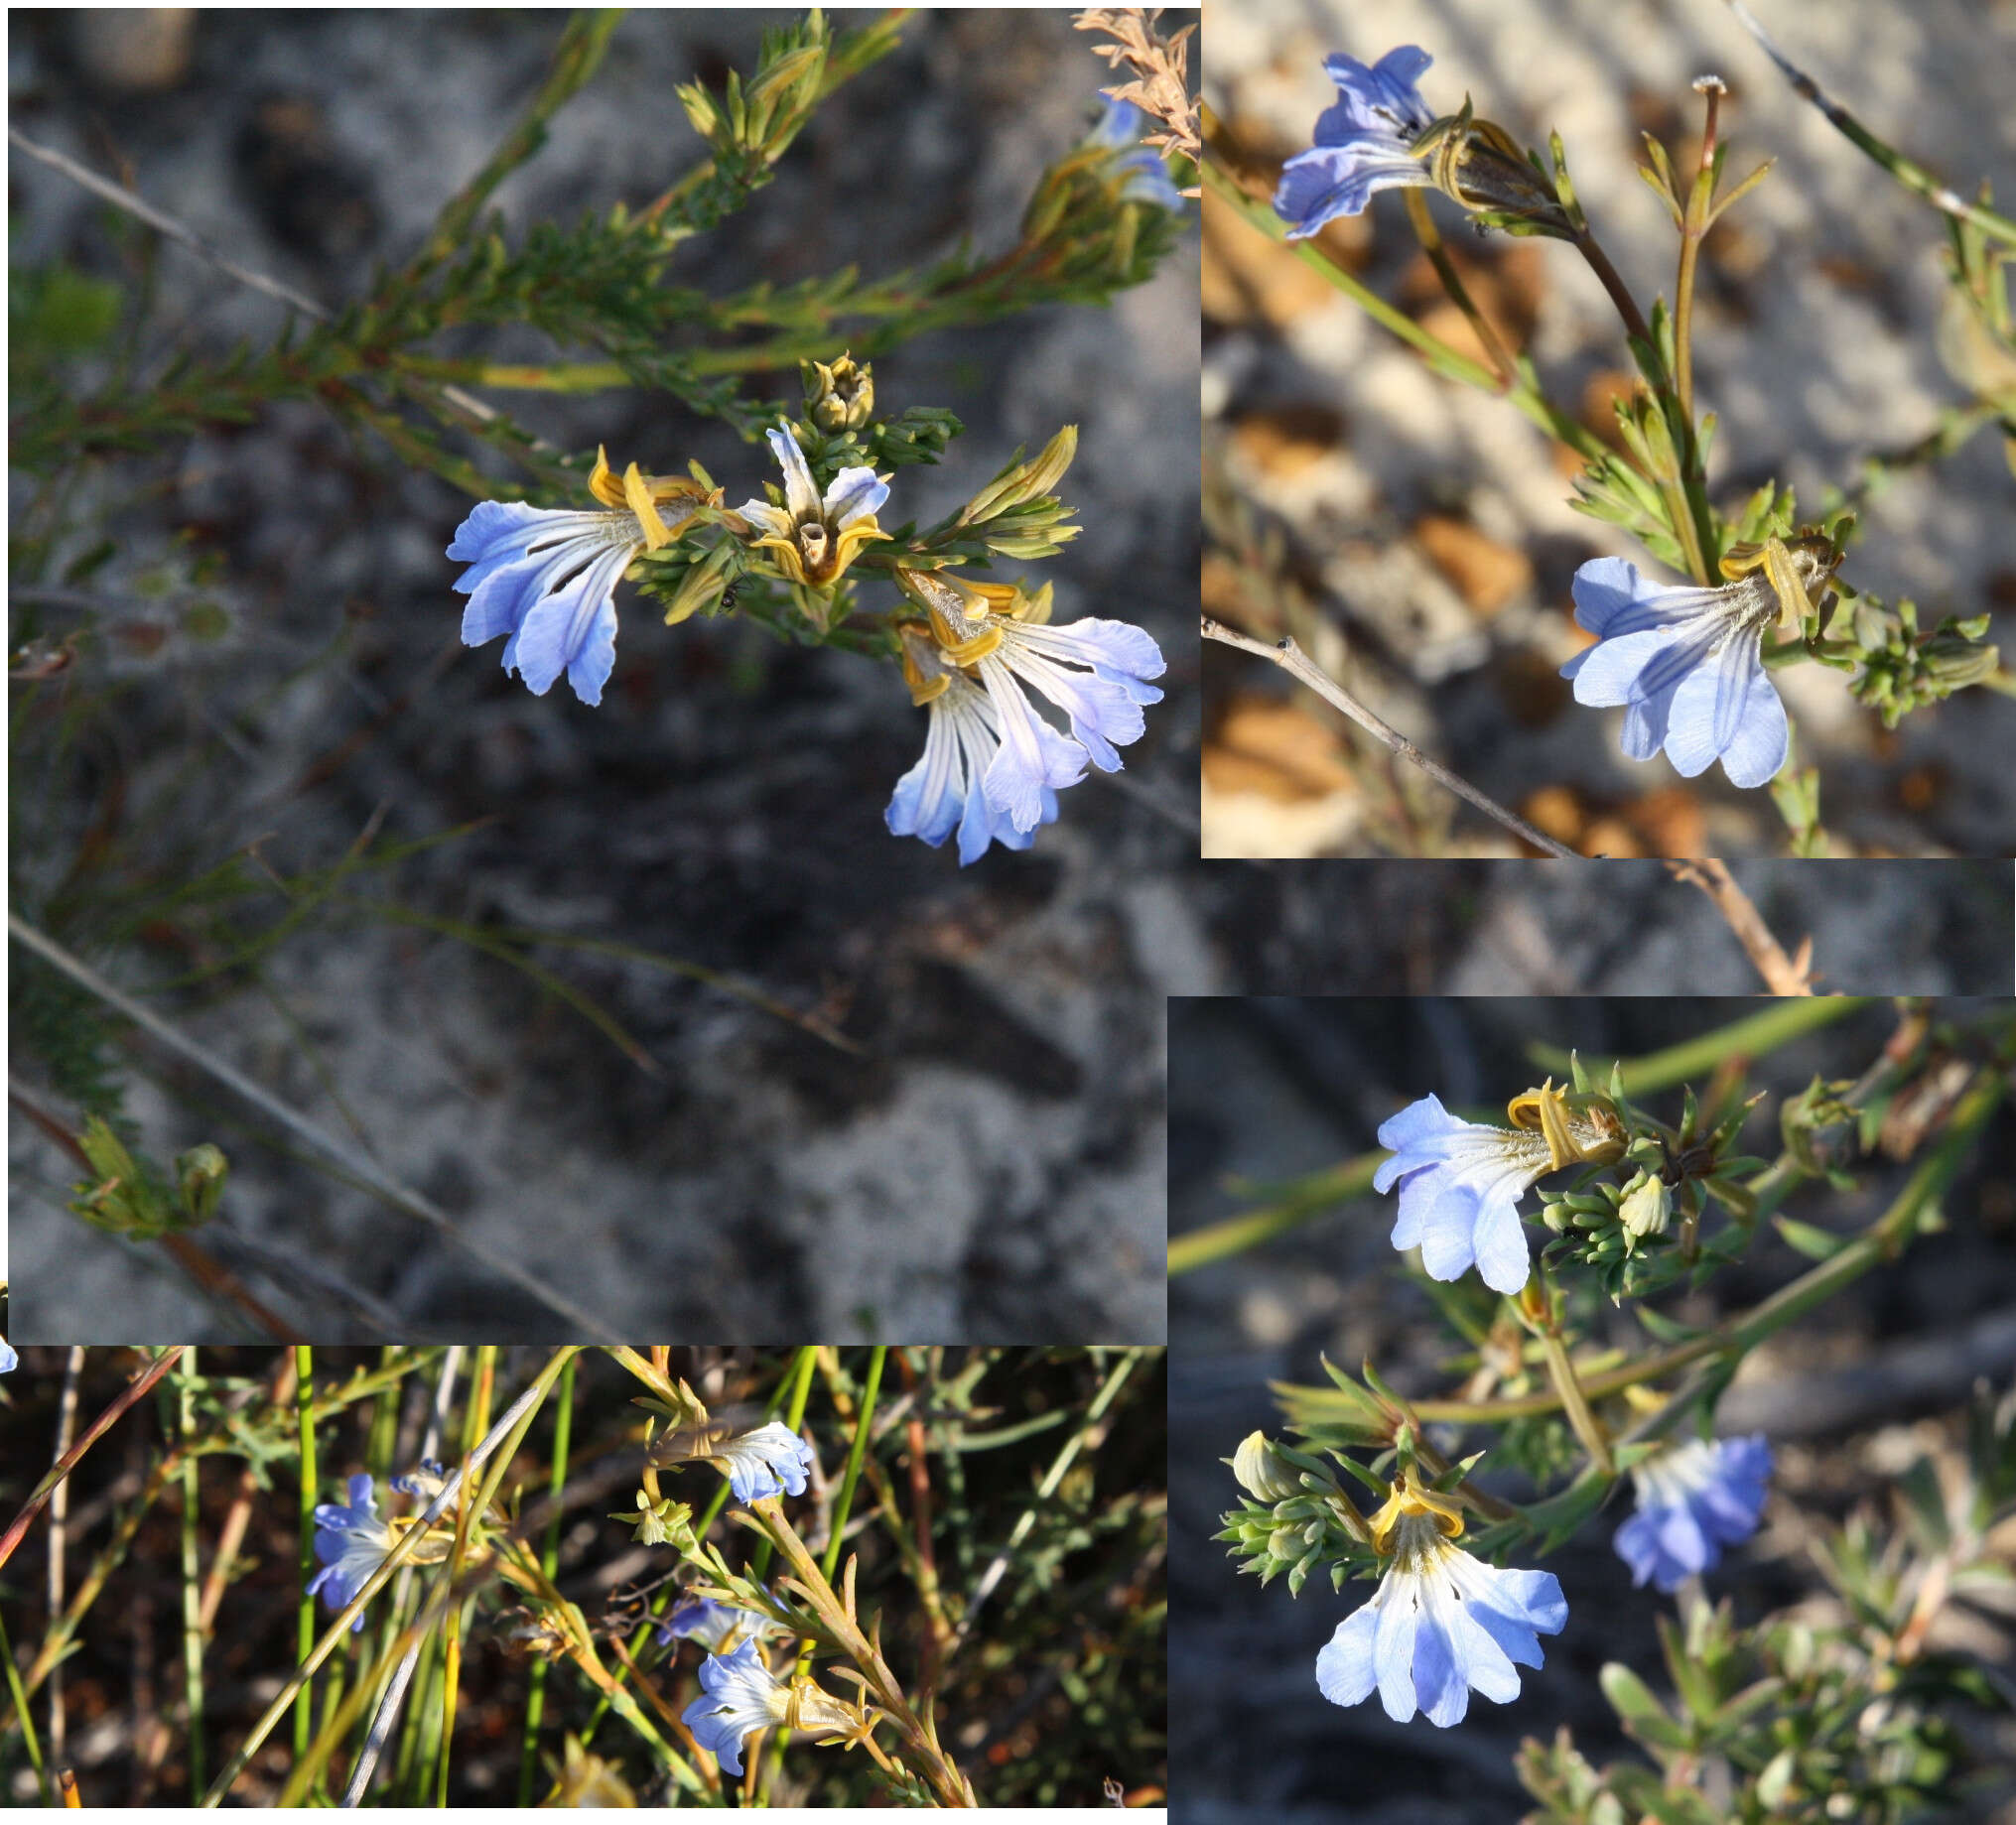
8, 1359
1120, 646
1503, 1259
770, 1460
1032, 755
1688, 668
1344, 1671
1447, 1227
1326, 182
1441, 1688
773, 522
738, 1695
1392, 1652
1486, 1666
1722, 699
1418, 1135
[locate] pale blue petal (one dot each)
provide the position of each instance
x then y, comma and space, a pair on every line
1500, 1240
1441, 1688
853, 494
1392, 1652
1344, 1671
800, 495
1708, 706
1486, 1667
1415, 1135
1608, 673
1447, 1229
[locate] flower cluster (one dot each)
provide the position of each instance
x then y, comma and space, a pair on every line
1443, 1624
352, 1541
992, 765
1460, 1182
1694, 1499
1687, 664
739, 1694
1364, 141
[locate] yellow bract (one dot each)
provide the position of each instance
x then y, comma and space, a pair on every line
1546, 1108
1408, 1496
642, 495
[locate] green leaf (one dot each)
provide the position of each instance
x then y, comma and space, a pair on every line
1815, 1243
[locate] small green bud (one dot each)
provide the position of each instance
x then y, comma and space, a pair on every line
200, 1178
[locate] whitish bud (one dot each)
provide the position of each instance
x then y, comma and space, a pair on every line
1646, 1207
1260, 1472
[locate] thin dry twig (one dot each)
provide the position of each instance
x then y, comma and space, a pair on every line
1785, 976
1160, 65
142, 211
1289, 655
360, 1170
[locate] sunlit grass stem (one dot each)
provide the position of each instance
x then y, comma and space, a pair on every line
304, 1630
549, 1563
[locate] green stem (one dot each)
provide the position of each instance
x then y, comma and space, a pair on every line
1561, 1373
1312, 1196
29, 1734
1881, 1242
303, 1625
1750, 1037
549, 1562
1459, 295
864, 1423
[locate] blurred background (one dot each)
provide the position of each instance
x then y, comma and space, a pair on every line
275, 673
1266, 1090
1415, 533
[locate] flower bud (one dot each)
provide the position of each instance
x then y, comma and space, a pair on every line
1260, 1472
1647, 1206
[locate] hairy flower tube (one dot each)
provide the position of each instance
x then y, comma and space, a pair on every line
351, 1542
1145, 178
1687, 665
1095, 671
812, 537
546, 578
715, 1625
946, 790
1364, 141
1441, 1623
738, 1694
1694, 1499
1460, 1182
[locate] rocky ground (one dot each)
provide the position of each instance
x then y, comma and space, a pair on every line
989, 1162
1425, 545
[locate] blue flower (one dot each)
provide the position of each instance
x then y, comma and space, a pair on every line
546, 579
1095, 671
946, 790
351, 1542
1362, 143
1145, 179
713, 1625
1692, 1500
1687, 665
1442, 1623
770, 1460
738, 1694
1460, 1183
812, 537
8, 1359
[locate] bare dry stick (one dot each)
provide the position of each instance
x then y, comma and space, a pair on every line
346, 1160
1785, 976
1289, 655
143, 210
